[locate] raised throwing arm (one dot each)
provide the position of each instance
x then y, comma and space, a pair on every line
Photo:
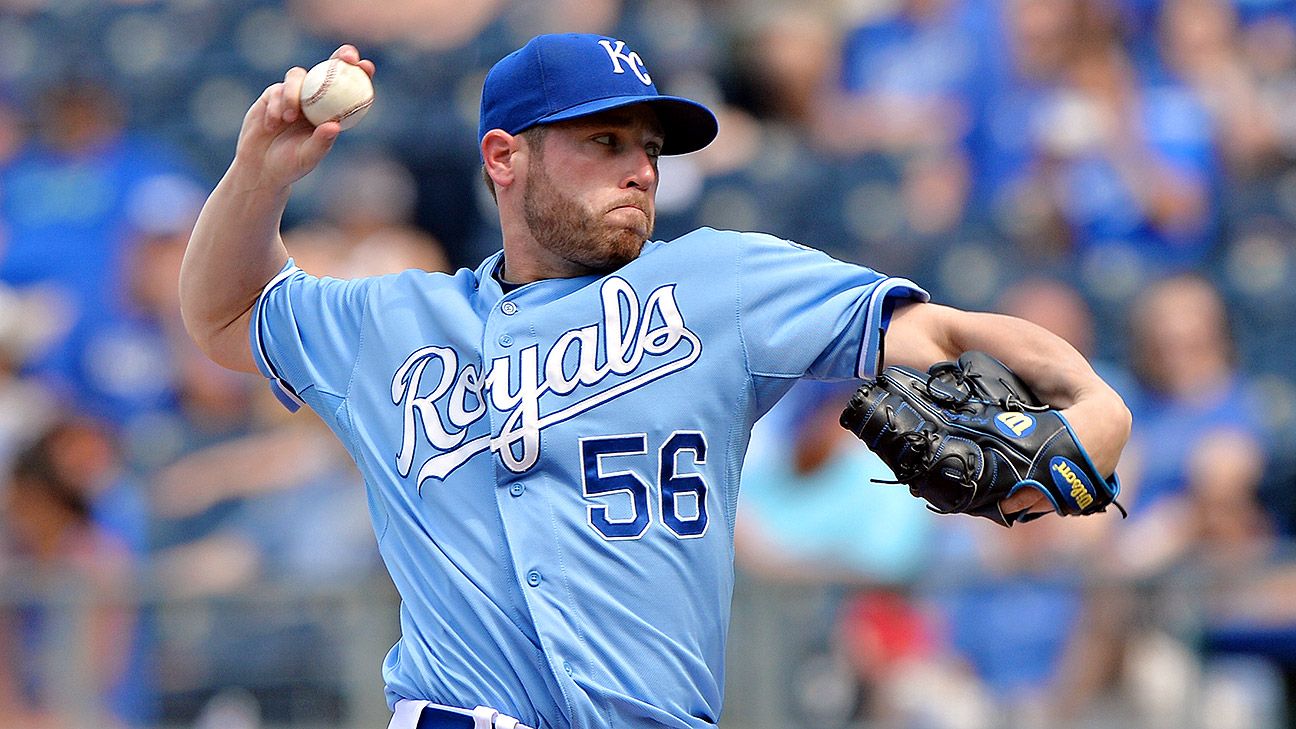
236, 248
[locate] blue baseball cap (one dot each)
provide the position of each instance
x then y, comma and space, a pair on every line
570, 75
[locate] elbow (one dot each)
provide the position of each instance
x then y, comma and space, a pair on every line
198, 326
221, 335
204, 338
224, 342
195, 311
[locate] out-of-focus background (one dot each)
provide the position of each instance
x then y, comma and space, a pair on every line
178, 552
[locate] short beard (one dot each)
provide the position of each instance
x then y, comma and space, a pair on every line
561, 225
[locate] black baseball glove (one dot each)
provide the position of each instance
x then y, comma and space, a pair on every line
970, 433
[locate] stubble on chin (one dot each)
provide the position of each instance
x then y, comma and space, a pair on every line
565, 227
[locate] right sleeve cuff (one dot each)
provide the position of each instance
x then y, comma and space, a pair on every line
283, 392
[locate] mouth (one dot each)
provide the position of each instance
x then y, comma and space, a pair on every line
632, 204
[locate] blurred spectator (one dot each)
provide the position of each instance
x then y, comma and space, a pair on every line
804, 490
1193, 395
61, 551
1195, 462
909, 76
1232, 529
28, 322
907, 89
1200, 46
1119, 161
68, 199
1199, 451
869, 172
1028, 55
1267, 46
1014, 609
367, 203
83, 454
1075, 151
207, 403
781, 67
270, 479
230, 519
894, 647
1055, 305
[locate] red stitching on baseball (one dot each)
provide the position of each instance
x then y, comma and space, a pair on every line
329, 73
355, 109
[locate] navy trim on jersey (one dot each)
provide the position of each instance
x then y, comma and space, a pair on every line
283, 392
877, 320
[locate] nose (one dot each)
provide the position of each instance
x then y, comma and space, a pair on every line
642, 173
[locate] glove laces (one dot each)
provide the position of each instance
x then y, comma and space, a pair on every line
921, 445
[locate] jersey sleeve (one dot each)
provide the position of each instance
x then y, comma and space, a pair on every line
306, 333
805, 313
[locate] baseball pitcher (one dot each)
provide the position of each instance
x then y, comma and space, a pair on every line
551, 441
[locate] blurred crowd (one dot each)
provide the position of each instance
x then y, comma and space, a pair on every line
1122, 172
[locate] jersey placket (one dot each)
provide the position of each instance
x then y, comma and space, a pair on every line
524, 514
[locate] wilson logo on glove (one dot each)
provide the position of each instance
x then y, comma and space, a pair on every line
1015, 425
1065, 476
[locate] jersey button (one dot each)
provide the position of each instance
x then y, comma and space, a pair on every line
509, 308
505, 340
567, 667
533, 578
517, 489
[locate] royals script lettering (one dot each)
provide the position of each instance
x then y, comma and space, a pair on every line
438, 408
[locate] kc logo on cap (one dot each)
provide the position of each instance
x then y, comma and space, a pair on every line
636, 63
566, 76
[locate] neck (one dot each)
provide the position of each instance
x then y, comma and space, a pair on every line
527, 260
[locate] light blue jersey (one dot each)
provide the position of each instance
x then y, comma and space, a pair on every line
552, 473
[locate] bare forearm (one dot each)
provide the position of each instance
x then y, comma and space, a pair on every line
1057, 373
234, 250
923, 334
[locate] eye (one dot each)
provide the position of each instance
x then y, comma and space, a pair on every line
606, 139
653, 149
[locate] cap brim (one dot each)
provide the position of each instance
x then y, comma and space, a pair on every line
688, 126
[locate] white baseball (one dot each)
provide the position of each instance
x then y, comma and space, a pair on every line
336, 91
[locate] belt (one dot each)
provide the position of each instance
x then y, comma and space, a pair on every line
412, 714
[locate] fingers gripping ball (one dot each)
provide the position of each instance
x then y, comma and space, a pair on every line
336, 91
968, 434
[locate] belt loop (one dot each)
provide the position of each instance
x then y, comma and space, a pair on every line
484, 717
406, 714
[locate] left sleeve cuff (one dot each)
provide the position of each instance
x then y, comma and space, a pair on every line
878, 318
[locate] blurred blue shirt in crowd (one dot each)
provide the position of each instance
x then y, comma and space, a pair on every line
830, 515
67, 207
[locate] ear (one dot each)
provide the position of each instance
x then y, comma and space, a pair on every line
497, 149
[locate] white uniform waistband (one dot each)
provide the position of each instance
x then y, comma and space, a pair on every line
409, 713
